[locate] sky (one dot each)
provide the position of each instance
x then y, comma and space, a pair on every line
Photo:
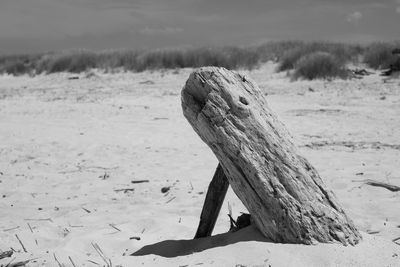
50, 25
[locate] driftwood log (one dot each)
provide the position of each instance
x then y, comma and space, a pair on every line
284, 194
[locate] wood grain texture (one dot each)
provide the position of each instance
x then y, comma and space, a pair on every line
213, 203
284, 194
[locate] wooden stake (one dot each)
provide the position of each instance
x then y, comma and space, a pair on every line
213, 203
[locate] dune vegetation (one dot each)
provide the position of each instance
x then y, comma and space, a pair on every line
289, 55
319, 65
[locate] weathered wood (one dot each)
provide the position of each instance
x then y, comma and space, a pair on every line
284, 194
213, 203
6, 254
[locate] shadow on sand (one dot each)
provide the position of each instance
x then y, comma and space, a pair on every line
175, 248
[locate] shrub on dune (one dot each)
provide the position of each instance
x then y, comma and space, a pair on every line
379, 55
289, 59
18, 64
319, 65
342, 52
16, 68
75, 63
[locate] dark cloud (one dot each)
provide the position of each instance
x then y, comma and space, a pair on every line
33, 25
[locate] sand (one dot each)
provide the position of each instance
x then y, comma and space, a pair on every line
70, 145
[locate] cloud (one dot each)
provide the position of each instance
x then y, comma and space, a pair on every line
354, 17
161, 31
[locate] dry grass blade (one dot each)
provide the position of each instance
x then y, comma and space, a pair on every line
395, 240
116, 228
93, 262
170, 200
58, 262
70, 259
101, 254
30, 227
22, 245
10, 229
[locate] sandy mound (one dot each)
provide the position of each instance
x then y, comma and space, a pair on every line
70, 149
247, 247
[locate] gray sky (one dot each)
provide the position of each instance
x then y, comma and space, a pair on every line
42, 25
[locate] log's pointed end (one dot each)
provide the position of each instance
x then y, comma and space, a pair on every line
196, 88
195, 92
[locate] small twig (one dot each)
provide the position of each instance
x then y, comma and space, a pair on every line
134, 237
232, 222
88, 211
170, 200
139, 181
93, 262
113, 226
70, 259
22, 245
395, 240
5, 230
59, 264
393, 188
30, 228
125, 190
